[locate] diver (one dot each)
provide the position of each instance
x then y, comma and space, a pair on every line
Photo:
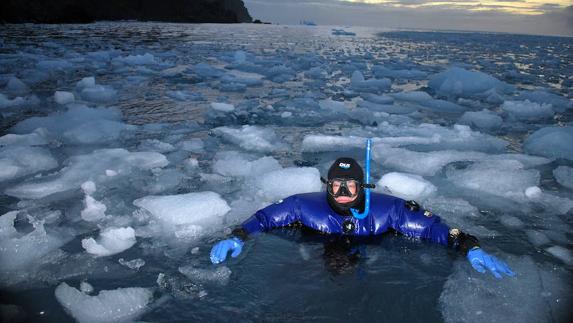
348, 208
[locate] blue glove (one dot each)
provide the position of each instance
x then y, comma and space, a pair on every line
481, 260
220, 249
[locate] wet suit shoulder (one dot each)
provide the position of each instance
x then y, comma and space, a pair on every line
386, 213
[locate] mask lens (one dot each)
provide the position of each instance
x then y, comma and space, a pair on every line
343, 187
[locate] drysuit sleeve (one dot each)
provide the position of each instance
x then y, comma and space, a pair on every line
278, 214
413, 221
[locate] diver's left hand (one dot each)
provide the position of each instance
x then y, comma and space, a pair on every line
481, 260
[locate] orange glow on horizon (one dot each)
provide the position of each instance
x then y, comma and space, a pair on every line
525, 7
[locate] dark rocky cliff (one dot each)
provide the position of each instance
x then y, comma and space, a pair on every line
84, 11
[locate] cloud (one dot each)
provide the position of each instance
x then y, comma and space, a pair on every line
555, 21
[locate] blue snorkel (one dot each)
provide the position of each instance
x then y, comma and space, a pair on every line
367, 186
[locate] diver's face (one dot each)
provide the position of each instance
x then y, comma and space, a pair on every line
351, 186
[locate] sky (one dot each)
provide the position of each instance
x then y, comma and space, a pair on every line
546, 17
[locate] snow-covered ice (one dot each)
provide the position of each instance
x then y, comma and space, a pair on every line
118, 305
251, 138
406, 186
564, 176
110, 242
552, 142
92, 166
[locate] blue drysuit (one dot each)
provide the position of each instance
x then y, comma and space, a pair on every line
386, 212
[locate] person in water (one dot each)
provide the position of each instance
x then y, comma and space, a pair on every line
331, 212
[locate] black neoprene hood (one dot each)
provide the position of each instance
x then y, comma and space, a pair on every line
346, 167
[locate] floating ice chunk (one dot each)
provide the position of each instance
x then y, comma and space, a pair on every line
458, 137
225, 107
241, 78
458, 82
358, 83
421, 163
19, 251
387, 108
252, 138
220, 275
146, 59
527, 111
505, 178
134, 264
58, 123
240, 56
191, 163
562, 254
316, 73
286, 114
63, 97
110, 172
7, 229
118, 305
111, 241
406, 186
86, 82
552, 142
333, 106
195, 145
537, 238
484, 119
413, 96
18, 161
156, 145
511, 222
282, 183
36, 138
85, 167
563, 175
533, 192
342, 32
79, 124
86, 288
425, 100
199, 208
6, 103
411, 74
207, 71
164, 180
541, 292
320, 143
16, 87
88, 187
97, 131
54, 65
559, 205
99, 94
379, 99
93, 210
232, 163
451, 208
559, 103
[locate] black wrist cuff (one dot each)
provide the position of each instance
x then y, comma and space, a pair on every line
240, 233
462, 242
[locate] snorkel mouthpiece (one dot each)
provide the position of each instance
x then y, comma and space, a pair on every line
356, 213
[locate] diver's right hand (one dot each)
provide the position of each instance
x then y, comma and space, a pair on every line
220, 249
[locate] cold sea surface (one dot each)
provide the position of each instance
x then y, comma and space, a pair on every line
128, 149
